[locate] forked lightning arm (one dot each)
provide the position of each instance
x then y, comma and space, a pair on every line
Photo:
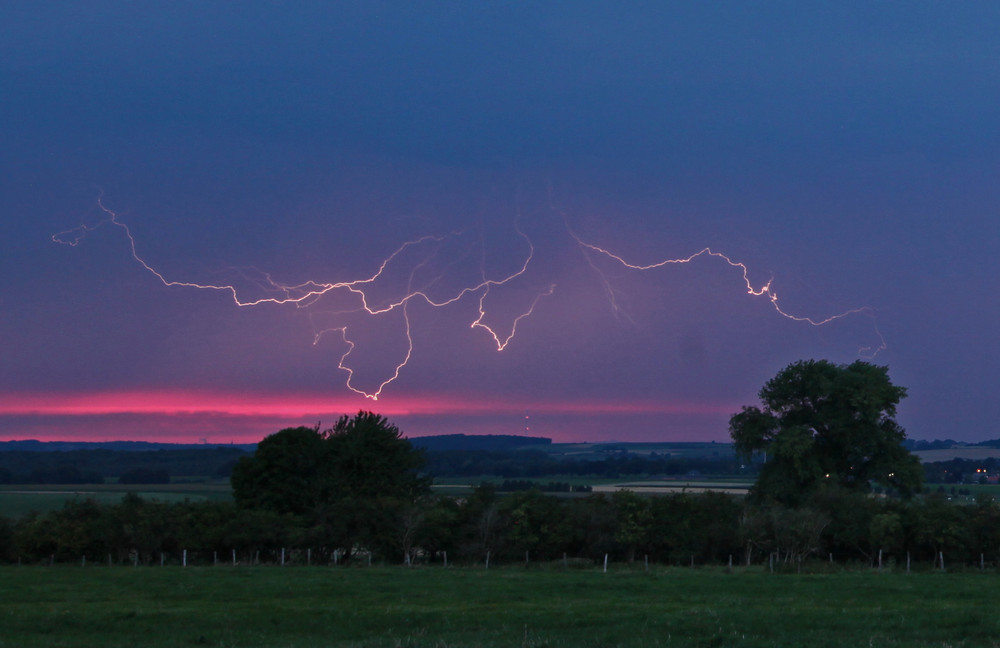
306, 293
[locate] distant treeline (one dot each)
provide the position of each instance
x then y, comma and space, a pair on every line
947, 444
159, 466
96, 466
519, 464
99, 465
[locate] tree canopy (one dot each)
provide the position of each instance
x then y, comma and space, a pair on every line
287, 473
369, 457
823, 424
302, 470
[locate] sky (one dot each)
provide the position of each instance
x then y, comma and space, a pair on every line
221, 219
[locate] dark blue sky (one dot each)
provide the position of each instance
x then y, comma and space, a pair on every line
847, 151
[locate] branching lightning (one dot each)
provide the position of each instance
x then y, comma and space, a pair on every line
306, 293
427, 249
765, 290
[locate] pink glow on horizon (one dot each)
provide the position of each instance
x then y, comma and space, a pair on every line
184, 402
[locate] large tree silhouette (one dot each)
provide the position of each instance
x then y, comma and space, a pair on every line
361, 463
826, 424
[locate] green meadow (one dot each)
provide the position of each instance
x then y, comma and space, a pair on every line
19, 500
303, 607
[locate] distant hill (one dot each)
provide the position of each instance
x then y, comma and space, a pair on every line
445, 442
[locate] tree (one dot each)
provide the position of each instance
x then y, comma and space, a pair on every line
826, 424
369, 457
286, 474
298, 470
633, 518
533, 524
352, 484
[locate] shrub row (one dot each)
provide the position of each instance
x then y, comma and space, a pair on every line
677, 528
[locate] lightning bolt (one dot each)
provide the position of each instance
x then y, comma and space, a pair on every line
478, 322
428, 248
307, 293
765, 290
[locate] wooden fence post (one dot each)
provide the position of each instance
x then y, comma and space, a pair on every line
184, 558
605, 563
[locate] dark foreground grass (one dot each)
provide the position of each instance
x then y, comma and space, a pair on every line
435, 607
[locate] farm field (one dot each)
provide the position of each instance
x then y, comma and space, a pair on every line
735, 486
456, 607
665, 486
461, 486
969, 452
19, 500
601, 450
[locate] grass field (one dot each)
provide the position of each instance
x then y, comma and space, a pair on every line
19, 500
435, 607
663, 487
462, 486
601, 450
459, 486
